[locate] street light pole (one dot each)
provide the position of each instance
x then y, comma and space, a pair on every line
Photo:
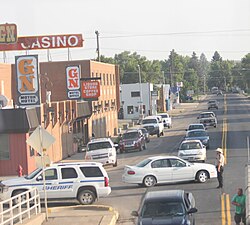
141, 103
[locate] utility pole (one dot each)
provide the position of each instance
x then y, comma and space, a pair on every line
98, 47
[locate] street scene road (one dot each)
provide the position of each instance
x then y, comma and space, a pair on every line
234, 109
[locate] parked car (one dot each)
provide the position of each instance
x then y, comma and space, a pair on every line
208, 119
84, 181
132, 140
195, 126
167, 120
167, 169
213, 104
154, 125
167, 207
198, 134
145, 133
102, 150
192, 150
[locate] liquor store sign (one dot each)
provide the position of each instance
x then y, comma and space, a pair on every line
90, 90
28, 93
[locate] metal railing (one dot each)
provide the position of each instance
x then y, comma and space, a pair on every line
20, 207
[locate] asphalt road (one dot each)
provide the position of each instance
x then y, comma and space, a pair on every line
213, 204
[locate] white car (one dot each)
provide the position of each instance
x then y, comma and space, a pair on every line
167, 120
192, 150
167, 169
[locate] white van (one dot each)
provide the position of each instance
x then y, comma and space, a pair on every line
101, 150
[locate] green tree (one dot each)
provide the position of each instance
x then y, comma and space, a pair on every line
245, 63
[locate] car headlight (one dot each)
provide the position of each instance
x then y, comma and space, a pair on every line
200, 153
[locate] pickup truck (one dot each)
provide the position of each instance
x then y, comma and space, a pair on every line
154, 125
208, 119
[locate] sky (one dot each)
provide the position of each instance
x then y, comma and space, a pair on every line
152, 28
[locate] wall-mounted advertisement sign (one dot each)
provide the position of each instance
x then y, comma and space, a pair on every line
73, 75
8, 33
90, 90
28, 93
44, 42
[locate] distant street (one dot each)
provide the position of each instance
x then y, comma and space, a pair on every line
126, 197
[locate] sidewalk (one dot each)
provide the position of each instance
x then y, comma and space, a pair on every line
91, 215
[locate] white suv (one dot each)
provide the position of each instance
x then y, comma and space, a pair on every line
84, 181
102, 150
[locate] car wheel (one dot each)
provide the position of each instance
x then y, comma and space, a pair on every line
162, 133
202, 176
149, 181
158, 135
86, 197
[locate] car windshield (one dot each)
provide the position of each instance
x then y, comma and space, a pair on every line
190, 146
164, 116
207, 115
99, 145
197, 134
162, 209
130, 135
148, 121
33, 174
198, 126
143, 163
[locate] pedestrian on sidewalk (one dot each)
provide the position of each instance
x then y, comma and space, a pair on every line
239, 200
220, 160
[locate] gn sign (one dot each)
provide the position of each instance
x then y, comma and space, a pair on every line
27, 80
8, 33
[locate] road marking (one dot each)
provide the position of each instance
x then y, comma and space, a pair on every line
225, 200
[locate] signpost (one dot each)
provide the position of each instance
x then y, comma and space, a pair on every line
41, 140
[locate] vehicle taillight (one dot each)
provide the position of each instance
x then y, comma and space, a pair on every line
131, 172
106, 182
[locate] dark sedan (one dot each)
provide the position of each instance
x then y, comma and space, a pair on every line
167, 207
198, 134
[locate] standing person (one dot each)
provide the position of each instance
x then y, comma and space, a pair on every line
239, 200
220, 166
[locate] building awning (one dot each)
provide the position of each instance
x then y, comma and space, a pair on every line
84, 109
18, 120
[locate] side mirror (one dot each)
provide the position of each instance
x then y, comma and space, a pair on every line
134, 213
39, 178
192, 210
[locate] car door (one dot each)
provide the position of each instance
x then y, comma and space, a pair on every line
69, 182
181, 170
51, 183
161, 168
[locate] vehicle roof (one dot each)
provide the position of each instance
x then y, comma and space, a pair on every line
196, 124
131, 130
159, 114
152, 117
165, 194
210, 112
61, 164
187, 141
99, 140
162, 157
196, 130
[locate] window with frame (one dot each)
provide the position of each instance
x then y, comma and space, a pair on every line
130, 109
5, 148
68, 173
91, 171
177, 163
135, 94
107, 79
51, 174
104, 79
